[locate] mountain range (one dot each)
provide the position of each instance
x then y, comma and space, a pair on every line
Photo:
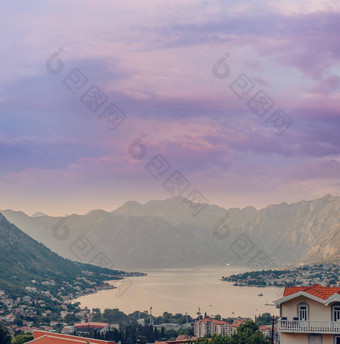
165, 234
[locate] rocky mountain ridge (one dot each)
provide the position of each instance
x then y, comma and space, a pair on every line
165, 234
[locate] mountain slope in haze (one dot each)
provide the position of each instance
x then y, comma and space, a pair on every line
38, 214
162, 234
23, 259
305, 231
327, 248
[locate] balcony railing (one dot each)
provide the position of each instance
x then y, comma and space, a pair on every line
332, 327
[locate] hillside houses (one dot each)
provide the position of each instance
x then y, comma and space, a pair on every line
324, 274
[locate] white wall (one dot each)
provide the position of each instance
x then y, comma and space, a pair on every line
297, 338
317, 311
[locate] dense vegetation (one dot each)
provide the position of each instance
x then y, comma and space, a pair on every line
143, 333
23, 259
247, 333
265, 319
22, 338
5, 337
130, 331
118, 317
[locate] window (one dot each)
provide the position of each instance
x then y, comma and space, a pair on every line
336, 312
303, 311
337, 340
316, 339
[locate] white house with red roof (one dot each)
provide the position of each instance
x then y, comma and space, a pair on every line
309, 315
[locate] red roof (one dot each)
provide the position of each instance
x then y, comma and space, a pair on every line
206, 320
220, 322
184, 337
43, 337
316, 290
239, 321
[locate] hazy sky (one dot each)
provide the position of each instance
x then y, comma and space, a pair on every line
154, 60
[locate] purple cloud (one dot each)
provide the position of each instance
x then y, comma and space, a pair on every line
158, 70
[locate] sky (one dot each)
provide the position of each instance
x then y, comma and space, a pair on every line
234, 103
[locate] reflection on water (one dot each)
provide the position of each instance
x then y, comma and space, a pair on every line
184, 290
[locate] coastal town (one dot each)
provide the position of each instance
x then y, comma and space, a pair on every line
325, 274
25, 315
28, 315
50, 308
298, 304
45, 308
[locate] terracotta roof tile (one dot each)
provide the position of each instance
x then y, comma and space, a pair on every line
316, 290
44, 337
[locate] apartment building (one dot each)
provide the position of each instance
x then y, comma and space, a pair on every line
209, 327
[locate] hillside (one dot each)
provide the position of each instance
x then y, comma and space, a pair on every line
23, 259
162, 234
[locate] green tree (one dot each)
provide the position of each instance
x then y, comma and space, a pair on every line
97, 315
257, 338
247, 328
248, 333
115, 316
70, 319
171, 334
156, 334
18, 320
264, 319
221, 340
162, 336
22, 338
5, 337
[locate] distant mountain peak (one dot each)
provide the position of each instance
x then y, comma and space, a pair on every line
327, 197
38, 214
132, 204
96, 212
129, 208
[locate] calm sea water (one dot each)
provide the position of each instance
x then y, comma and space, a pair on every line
184, 290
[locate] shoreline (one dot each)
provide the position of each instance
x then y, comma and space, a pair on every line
182, 291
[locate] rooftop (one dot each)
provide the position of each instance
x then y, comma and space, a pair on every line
316, 290
44, 337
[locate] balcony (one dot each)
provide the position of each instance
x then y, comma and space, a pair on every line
297, 326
